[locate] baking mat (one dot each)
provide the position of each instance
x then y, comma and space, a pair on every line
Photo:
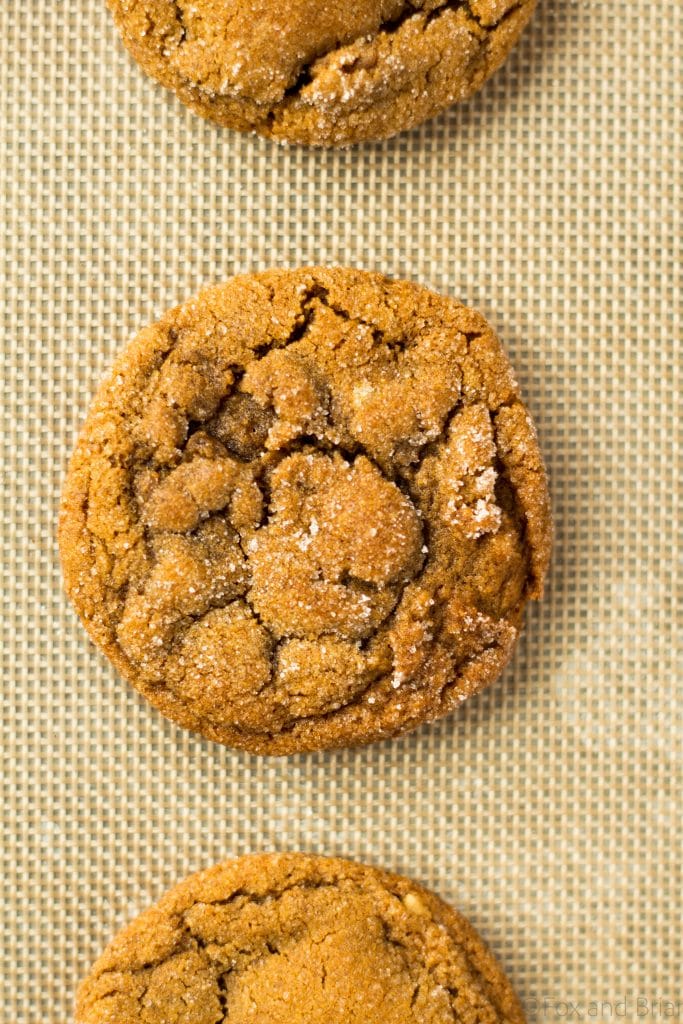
549, 808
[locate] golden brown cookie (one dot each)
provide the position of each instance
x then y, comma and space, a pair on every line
307, 510
293, 938
318, 71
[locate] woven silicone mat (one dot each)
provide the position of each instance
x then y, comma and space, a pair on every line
549, 808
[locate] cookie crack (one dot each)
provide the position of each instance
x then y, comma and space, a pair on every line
259, 899
386, 29
304, 74
351, 454
222, 994
187, 938
457, 5
179, 15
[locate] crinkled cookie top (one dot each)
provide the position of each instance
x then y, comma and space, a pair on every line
307, 510
321, 71
297, 939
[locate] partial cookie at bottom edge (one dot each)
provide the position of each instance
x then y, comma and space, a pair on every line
289, 938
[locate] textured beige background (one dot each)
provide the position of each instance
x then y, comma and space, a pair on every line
549, 809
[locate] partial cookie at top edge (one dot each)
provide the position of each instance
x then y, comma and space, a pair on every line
317, 72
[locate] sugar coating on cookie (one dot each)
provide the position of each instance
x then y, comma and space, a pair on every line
318, 71
289, 938
307, 509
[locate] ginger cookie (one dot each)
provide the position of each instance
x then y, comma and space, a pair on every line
288, 938
319, 72
307, 510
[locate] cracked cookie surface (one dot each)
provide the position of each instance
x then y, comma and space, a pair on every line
307, 510
287, 938
316, 71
